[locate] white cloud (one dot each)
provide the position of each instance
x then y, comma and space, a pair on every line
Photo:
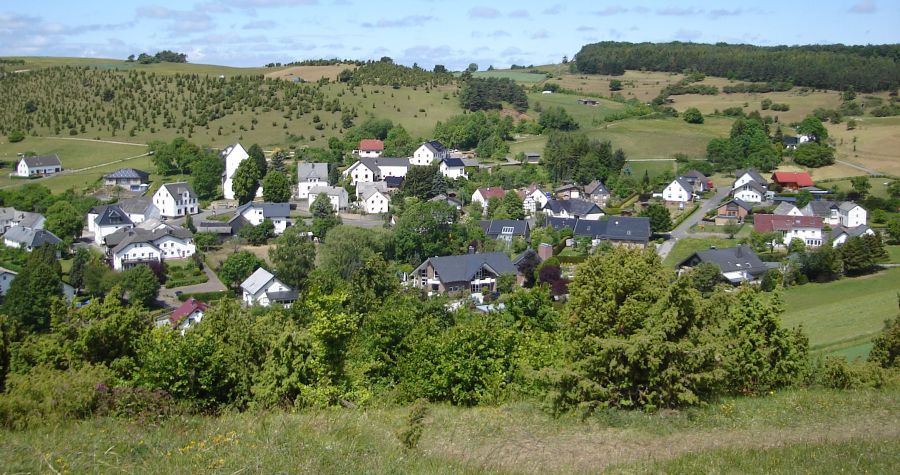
554, 10
678, 11
864, 6
539, 35
484, 12
405, 22
519, 14
610, 11
260, 25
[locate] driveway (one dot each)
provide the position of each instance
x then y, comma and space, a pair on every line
212, 285
681, 231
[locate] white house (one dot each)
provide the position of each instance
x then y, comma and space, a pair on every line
176, 199
187, 314
749, 192
453, 168
483, 195
233, 155
679, 191
852, 214
370, 148
787, 209
29, 238
310, 175
139, 209
840, 235
39, 166
742, 177
337, 196
534, 199
806, 228
138, 246
263, 289
376, 169
105, 220
254, 213
573, 208
128, 178
374, 202
6, 278
10, 217
363, 187
429, 152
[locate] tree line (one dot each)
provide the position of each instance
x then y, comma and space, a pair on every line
836, 67
164, 56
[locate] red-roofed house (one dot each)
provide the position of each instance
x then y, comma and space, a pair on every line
370, 148
189, 313
806, 228
792, 180
483, 195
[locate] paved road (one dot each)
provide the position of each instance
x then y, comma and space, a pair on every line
681, 231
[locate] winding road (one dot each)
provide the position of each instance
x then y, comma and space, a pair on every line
681, 231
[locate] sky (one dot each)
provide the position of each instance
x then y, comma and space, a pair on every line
427, 32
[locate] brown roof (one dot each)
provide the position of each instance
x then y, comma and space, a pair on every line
371, 145
764, 223
492, 192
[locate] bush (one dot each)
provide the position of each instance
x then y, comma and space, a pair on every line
46, 395
143, 404
15, 136
886, 346
837, 373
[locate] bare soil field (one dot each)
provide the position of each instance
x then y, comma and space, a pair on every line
309, 73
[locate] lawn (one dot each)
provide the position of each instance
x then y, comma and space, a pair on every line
822, 430
685, 247
515, 75
844, 314
585, 115
894, 254
878, 184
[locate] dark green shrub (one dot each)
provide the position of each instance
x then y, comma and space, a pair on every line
46, 395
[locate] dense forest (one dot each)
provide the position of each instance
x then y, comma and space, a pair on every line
385, 73
488, 93
866, 68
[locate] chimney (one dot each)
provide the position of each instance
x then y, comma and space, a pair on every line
471, 249
740, 251
545, 251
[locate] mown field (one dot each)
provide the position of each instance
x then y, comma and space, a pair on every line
814, 431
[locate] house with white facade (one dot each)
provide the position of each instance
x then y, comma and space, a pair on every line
749, 192
187, 314
10, 217
6, 278
128, 178
38, 166
139, 246
105, 220
679, 191
255, 213
428, 152
337, 195
310, 174
742, 177
376, 169
175, 200
483, 195
852, 214
233, 156
464, 274
787, 209
839, 235
373, 201
806, 228
573, 208
370, 148
29, 238
139, 209
264, 289
453, 168
533, 199
737, 264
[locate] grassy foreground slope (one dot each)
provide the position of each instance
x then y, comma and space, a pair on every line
778, 433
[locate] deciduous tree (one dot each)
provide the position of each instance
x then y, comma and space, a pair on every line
294, 256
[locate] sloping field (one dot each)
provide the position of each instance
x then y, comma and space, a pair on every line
309, 73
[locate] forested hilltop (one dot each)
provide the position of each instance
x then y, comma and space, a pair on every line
866, 68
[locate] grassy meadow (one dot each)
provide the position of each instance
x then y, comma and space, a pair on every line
777, 433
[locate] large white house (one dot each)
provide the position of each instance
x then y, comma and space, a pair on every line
679, 191
534, 199
263, 289
749, 192
483, 195
742, 177
453, 168
805, 228
376, 169
374, 201
255, 213
852, 214
429, 152
138, 246
337, 195
176, 199
310, 175
233, 156
38, 166
370, 148
105, 220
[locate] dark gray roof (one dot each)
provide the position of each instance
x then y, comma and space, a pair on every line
850, 232
784, 208
454, 162
111, 215
215, 227
820, 208
847, 206
695, 175
270, 210
789, 140
741, 203
687, 185
307, 170
566, 187
123, 237
526, 253
435, 146
462, 268
128, 173
393, 181
177, 188
561, 223
753, 174
574, 207
29, 237
283, 296
753, 186
493, 228
136, 205
732, 259
375, 164
616, 228
596, 187
42, 161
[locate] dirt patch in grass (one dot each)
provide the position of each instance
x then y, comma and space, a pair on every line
310, 73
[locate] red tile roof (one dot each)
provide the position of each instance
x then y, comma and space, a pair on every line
492, 192
800, 178
764, 223
371, 145
187, 308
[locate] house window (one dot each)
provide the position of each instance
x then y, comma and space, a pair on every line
507, 230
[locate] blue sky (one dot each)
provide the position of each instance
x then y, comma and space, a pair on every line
453, 33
